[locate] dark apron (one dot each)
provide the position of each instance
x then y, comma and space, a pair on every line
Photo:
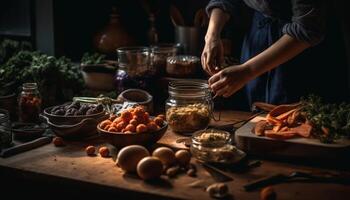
287, 82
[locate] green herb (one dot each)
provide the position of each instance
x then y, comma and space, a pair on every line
330, 121
92, 59
9, 48
58, 79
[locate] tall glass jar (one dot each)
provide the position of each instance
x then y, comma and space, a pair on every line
5, 129
133, 68
29, 103
189, 106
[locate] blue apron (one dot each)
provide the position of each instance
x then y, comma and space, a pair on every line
272, 87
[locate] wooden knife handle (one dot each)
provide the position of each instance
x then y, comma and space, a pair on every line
25, 147
263, 106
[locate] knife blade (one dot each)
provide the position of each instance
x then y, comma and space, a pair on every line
218, 174
25, 146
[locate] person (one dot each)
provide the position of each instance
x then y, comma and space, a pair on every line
281, 56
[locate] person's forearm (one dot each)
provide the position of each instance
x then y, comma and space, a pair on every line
280, 52
217, 21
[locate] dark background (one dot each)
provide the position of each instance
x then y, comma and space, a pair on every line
63, 27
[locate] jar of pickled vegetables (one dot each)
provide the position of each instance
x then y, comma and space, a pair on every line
29, 103
189, 106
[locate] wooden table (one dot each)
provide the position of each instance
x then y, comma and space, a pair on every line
69, 169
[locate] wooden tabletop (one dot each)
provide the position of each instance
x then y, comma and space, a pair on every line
70, 164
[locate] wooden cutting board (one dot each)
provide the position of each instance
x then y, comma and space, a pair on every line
307, 148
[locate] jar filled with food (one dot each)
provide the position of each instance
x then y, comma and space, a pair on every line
189, 106
29, 103
159, 55
182, 66
134, 69
5, 129
213, 145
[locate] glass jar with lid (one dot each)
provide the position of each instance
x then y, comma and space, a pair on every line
189, 106
5, 129
29, 103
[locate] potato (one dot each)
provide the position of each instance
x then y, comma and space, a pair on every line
129, 156
149, 168
183, 157
166, 155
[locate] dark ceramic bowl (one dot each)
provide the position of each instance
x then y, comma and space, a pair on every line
124, 139
72, 130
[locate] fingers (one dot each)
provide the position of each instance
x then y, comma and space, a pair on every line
222, 90
218, 85
213, 79
211, 63
205, 60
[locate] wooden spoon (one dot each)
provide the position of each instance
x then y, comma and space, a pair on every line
176, 16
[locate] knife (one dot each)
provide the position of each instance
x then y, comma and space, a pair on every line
25, 146
218, 174
281, 178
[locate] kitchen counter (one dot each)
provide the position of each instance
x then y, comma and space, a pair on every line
67, 170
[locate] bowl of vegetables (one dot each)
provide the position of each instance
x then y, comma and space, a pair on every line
133, 126
74, 112
74, 120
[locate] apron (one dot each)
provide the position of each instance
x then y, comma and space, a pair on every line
285, 83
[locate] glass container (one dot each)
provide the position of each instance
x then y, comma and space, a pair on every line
213, 145
134, 68
182, 66
189, 106
5, 129
29, 103
159, 55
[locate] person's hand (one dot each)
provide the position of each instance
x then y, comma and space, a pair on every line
229, 80
212, 55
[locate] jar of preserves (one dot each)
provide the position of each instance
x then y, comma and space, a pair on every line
5, 129
29, 103
189, 106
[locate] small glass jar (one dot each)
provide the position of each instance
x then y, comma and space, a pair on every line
189, 106
182, 66
213, 145
159, 55
5, 129
29, 103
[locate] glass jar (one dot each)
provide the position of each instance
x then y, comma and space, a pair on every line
182, 66
213, 145
159, 55
29, 103
133, 68
189, 106
5, 129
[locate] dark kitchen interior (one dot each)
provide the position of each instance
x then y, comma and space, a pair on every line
139, 99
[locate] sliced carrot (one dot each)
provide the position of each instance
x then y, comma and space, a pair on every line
280, 135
